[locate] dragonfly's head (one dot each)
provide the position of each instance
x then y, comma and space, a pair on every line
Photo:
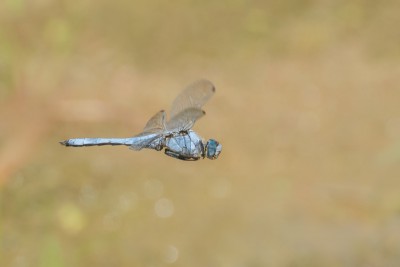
213, 149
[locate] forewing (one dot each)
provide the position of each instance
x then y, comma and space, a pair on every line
193, 96
184, 120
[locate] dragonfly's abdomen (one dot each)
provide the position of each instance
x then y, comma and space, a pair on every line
97, 142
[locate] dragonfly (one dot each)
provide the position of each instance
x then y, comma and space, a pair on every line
175, 135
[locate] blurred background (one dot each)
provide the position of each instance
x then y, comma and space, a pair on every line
307, 110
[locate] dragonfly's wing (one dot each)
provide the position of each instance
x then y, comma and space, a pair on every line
156, 123
184, 120
153, 130
193, 96
144, 140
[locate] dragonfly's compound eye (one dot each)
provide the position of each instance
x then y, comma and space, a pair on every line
213, 149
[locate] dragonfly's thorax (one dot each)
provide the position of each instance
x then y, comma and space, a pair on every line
187, 144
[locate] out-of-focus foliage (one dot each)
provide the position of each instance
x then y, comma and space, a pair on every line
306, 110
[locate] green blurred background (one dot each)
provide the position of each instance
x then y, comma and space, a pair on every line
307, 110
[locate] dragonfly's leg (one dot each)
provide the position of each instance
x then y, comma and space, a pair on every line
178, 156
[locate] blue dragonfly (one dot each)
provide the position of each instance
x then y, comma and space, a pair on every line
176, 134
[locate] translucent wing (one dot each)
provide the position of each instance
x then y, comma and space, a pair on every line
156, 123
143, 140
184, 120
153, 130
193, 96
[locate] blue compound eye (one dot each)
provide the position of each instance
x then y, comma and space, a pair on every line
213, 149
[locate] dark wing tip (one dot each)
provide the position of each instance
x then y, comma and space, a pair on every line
203, 80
